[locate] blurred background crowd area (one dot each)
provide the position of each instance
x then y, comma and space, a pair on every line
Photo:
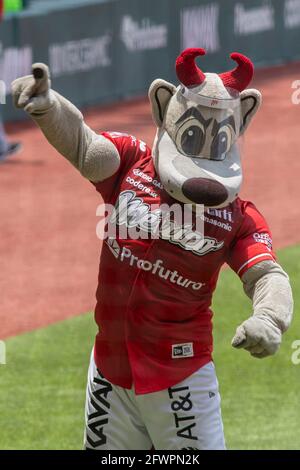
12, 6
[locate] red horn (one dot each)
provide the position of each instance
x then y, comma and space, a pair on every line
187, 71
240, 77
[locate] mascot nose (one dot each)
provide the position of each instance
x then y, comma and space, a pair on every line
205, 191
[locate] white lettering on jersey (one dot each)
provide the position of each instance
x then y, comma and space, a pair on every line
132, 211
157, 268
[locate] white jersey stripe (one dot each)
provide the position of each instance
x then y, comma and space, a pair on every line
252, 259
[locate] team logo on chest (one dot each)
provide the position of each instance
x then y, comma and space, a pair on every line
175, 224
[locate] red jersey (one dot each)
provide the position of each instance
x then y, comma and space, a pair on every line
154, 295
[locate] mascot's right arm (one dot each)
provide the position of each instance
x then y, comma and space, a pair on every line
62, 124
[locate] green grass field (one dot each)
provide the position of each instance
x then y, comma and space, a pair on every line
43, 383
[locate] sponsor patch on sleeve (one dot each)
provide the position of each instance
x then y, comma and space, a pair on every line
263, 238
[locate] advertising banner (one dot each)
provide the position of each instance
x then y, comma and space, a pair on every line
106, 51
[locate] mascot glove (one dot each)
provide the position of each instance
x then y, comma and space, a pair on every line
259, 335
32, 92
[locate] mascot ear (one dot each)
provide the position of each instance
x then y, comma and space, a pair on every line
160, 93
250, 102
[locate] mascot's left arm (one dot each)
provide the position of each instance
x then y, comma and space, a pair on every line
268, 287
265, 283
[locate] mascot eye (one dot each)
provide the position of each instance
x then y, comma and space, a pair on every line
221, 143
190, 138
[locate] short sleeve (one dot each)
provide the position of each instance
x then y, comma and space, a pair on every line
253, 242
130, 150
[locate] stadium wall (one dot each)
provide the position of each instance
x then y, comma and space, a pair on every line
104, 51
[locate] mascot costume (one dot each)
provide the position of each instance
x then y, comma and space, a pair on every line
151, 380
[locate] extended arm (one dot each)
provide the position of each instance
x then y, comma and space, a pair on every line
62, 124
268, 287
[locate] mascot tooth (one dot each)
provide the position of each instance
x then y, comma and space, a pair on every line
151, 379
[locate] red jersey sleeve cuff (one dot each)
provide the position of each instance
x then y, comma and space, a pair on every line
256, 259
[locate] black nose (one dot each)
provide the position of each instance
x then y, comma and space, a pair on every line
205, 191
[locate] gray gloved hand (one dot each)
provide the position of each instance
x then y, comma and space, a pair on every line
95, 156
259, 335
32, 92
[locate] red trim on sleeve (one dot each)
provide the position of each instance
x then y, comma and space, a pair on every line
253, 261
253, 241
